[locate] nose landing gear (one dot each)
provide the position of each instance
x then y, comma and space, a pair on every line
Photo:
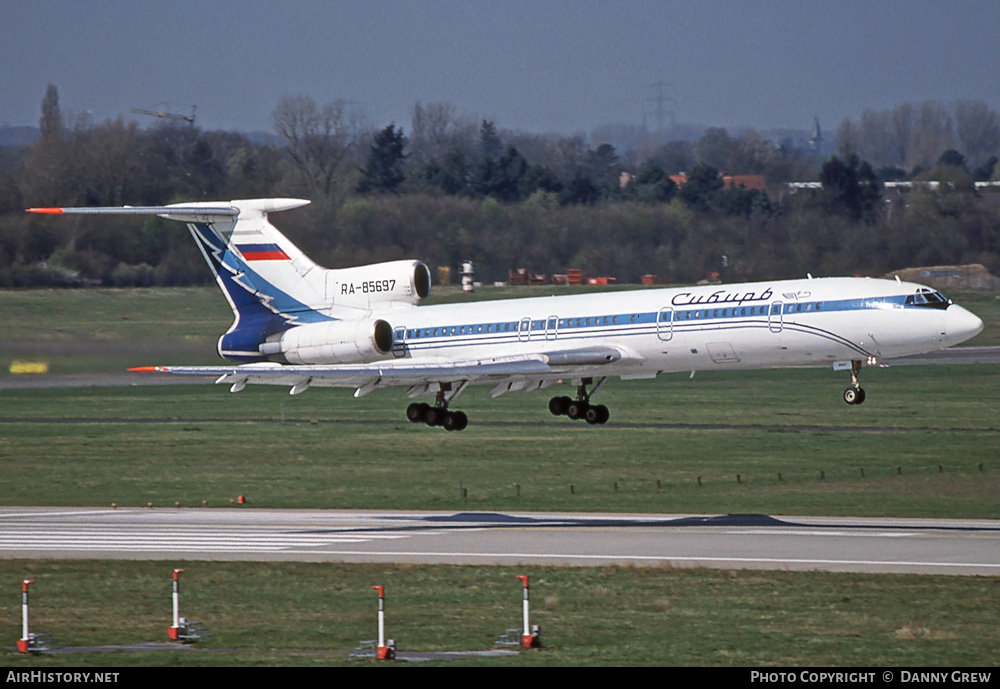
855, 394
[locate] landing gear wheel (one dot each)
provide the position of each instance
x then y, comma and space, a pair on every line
854, 395
559, 405
434, 416
417, 411
577, 409
455, 421
597, 414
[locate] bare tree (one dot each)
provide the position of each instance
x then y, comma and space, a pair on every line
436, 129
978, 130
932, 134
901, 130
875, 139
848, 139
318, 140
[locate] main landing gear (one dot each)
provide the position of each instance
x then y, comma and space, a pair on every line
581, 408
438, 414
855, 394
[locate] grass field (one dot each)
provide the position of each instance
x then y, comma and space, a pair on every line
190, 444
925, 444
312, 614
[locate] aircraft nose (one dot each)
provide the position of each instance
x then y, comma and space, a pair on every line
962, 324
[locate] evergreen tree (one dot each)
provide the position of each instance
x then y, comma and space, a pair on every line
702, 184
384, 171
850, 188
652, 185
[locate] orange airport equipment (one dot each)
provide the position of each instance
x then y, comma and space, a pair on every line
30, 642
527, 635
384, 650
531, 636
183, 630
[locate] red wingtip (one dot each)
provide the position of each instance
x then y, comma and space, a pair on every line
148, 369
48, 211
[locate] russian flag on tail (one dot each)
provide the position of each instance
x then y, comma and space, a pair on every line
262, 252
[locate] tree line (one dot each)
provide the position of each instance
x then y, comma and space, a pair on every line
453, 188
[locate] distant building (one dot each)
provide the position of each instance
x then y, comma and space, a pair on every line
729, 181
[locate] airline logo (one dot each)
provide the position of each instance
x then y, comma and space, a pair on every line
262, 252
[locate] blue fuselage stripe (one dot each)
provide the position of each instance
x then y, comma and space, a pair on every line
677, 320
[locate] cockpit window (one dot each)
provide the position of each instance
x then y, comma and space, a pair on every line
928, 298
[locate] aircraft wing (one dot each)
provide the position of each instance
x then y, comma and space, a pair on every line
503, 372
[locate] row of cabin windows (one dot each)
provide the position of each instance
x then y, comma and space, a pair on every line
513, 327
741, 311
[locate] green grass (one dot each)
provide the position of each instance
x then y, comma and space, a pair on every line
190, 444
103, 330
312, 614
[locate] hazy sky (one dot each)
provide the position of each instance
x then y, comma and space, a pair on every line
539, 65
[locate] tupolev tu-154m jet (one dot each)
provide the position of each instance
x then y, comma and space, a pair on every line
302, 325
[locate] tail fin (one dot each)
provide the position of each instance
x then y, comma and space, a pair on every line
269, 283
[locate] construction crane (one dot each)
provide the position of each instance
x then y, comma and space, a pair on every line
162, 112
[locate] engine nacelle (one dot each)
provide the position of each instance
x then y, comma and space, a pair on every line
401, 282
336, 342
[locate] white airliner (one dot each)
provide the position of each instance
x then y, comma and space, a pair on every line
302, 325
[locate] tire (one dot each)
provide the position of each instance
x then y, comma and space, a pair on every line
416, 411
577, 410
602, 414
558, 405
852, 395
455, 421
434, 416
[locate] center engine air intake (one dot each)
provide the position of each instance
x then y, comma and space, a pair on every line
339, 342
400, 282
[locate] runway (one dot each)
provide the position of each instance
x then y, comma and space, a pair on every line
838, 544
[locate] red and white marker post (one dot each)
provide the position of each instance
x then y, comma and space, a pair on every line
383, 651
23, 642
530, 636
174, 630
